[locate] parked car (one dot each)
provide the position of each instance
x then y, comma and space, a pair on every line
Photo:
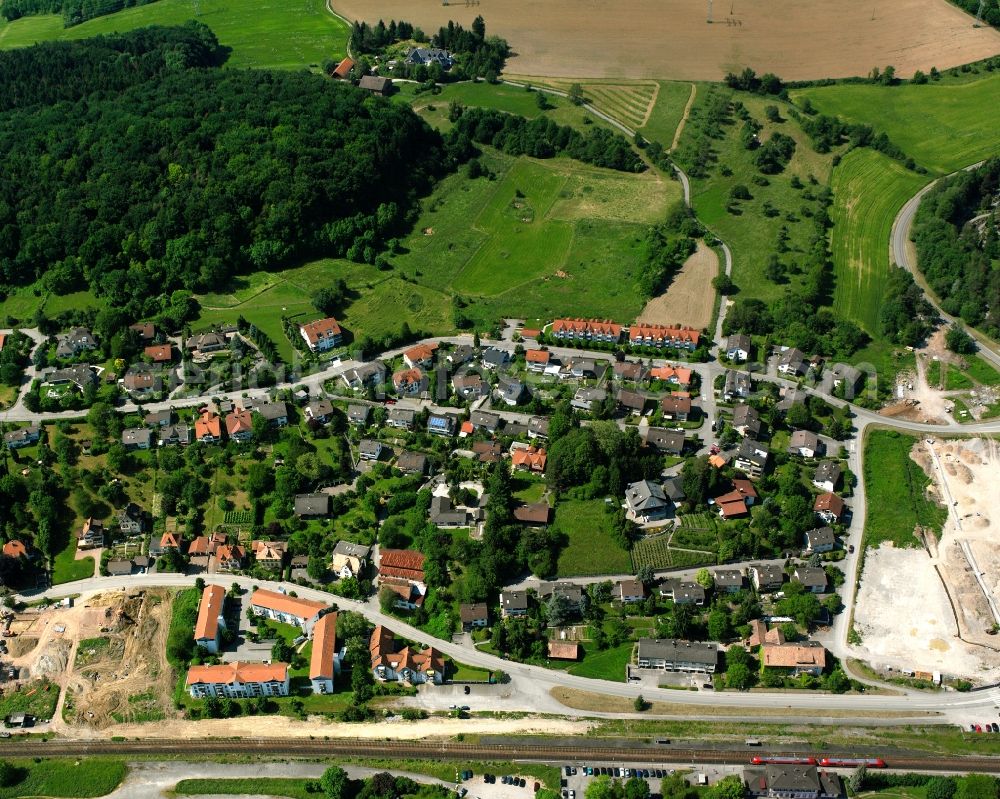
468, 690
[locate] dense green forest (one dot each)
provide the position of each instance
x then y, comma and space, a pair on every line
73, 12
957, 258
156, 171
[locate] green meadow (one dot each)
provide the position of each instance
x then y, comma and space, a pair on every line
261, 33
868, 189
944, 127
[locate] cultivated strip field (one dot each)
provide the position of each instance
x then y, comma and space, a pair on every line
868, 188
796, 39
262, 33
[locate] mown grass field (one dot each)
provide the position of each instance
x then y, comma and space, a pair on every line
894, 489
587, 525
661, 125
261, 33
65, 777
604, 665
869, 189
944, 127
246, 786
751, 233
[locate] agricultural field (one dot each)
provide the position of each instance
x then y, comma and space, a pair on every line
894, 487
261, 33
792, 39
659, 552
587, 526
753, 226
869, 188
944, 126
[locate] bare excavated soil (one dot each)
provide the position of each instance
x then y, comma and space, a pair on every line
796, 39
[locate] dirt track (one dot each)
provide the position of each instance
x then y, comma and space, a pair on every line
796, 39
689, 299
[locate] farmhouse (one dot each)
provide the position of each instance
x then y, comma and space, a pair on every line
269, 554
321, 335
324, 664
343, 69
430, 55
230, 558
402, 564
275, 605
210, 618
674, 655
238, 680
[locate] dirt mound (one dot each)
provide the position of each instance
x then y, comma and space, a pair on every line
21, 646
53, 660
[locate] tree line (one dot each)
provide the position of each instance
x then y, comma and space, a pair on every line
956, 255
542, 138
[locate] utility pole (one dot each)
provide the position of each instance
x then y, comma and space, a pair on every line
709, 20
979, 14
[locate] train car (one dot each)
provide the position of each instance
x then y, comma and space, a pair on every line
790, 760
853, 762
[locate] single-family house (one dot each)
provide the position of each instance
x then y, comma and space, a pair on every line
204, 343
412, 462
15, 548
666, 442
175, 434
470, 386
629, 370
683, 592
737, 385
827, 476
141, 381
645, 502
312, 506
585, 397
812, 578
208, 428
369, 449
805, 443
537, 360
792, 362
767, 577
673, 374
805, 657
159, 419
146, 331
230, 558
269, 554
530, 459
443, 514
239, 426
409, 382
829, 507
751, 458
628, 592
441, 424
159, 353
321, 335
357, 415
562, 650
137, 438
493, 358
510, 391
401, 418
460, 354
82, 376
365, 376
534, 513
91, 534
746, 421
474, 616
847, 377
676, 407
538, 428
738, 347
321, 410
77, 340
820, 540
132, 519
486, 422
350, 560
22, 437
420, 356
276, 413
513, 603
728, 581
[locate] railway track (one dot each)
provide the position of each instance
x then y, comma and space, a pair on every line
448, 750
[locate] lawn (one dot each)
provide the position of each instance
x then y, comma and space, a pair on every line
608, 664
587, 525
869, 189
894, 488
528, 489
65, 777
944, 127
22, 303
246, 786
67, 568
752, 231
261, 33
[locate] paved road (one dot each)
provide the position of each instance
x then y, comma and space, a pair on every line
903, 254
533, 683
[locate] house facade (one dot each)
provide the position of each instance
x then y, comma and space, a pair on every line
275, 605
238, 680
675, 655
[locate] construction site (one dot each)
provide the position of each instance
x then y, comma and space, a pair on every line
937, 608
105, 655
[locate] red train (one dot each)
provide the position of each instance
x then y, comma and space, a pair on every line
852, 762
789, 760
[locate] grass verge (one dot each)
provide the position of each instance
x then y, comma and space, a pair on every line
65, 777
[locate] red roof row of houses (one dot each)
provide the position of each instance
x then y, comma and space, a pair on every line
637, 334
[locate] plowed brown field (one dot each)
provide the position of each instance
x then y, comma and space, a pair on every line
796, 39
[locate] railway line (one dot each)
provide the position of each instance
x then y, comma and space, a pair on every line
449, 750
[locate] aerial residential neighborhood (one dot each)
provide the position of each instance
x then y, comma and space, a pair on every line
499, 401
